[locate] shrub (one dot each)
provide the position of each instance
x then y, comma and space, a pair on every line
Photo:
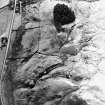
63, 14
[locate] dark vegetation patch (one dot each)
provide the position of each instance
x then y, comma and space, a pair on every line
62, 15
17, 46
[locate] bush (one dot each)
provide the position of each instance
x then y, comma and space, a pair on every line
63, 15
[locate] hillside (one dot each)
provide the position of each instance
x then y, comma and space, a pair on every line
56, 55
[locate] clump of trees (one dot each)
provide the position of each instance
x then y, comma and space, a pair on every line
63, 15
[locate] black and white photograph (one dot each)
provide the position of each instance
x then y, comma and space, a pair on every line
52, 52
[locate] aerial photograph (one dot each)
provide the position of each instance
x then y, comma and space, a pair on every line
52, 52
